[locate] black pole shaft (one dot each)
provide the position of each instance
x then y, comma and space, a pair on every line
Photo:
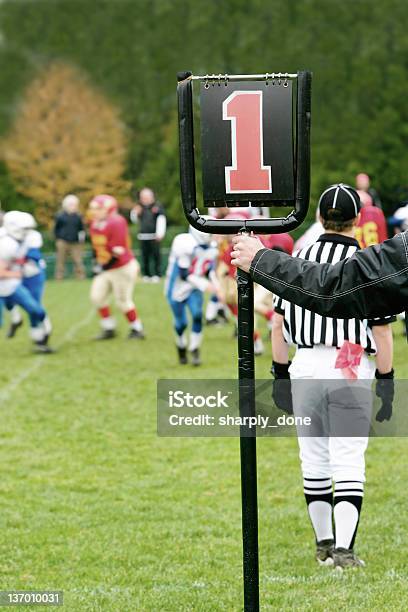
246, 376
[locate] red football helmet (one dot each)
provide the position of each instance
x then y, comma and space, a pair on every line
105, 202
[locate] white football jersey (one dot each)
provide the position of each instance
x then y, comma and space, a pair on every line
31, 248
186, 254
10, 251
33, 240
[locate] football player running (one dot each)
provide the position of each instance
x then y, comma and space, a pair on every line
190, 272
15, 237
34, 277
116, 267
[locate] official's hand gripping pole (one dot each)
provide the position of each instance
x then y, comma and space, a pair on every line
287, 156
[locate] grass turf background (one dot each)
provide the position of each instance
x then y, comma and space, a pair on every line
94, 503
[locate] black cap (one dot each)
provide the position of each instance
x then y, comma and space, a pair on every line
339, 202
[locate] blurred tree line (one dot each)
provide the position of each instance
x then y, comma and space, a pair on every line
78, 144
131, 50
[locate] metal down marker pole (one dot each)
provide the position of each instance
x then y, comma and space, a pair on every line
280, 149
249, 495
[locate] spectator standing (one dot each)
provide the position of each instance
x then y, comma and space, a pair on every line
152, 224
69, 237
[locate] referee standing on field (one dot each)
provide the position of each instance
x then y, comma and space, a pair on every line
324, 346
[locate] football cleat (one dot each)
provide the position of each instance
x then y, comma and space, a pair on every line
346, 557
222, 317
324, 552
195, 357
43, 348
182, 355
135, 334
12, 330
106, 334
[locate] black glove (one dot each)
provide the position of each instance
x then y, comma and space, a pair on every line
385, 391
281, 387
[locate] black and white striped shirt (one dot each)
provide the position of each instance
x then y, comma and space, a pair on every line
305, 328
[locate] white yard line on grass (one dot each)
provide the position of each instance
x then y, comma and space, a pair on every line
6, 392
71, 333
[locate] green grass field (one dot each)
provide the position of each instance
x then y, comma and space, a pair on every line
94, 503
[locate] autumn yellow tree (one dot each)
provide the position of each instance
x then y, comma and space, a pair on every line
66, 138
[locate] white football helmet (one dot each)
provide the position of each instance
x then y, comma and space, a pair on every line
201, 237
17, 223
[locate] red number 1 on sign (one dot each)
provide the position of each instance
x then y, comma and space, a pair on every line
247, 174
